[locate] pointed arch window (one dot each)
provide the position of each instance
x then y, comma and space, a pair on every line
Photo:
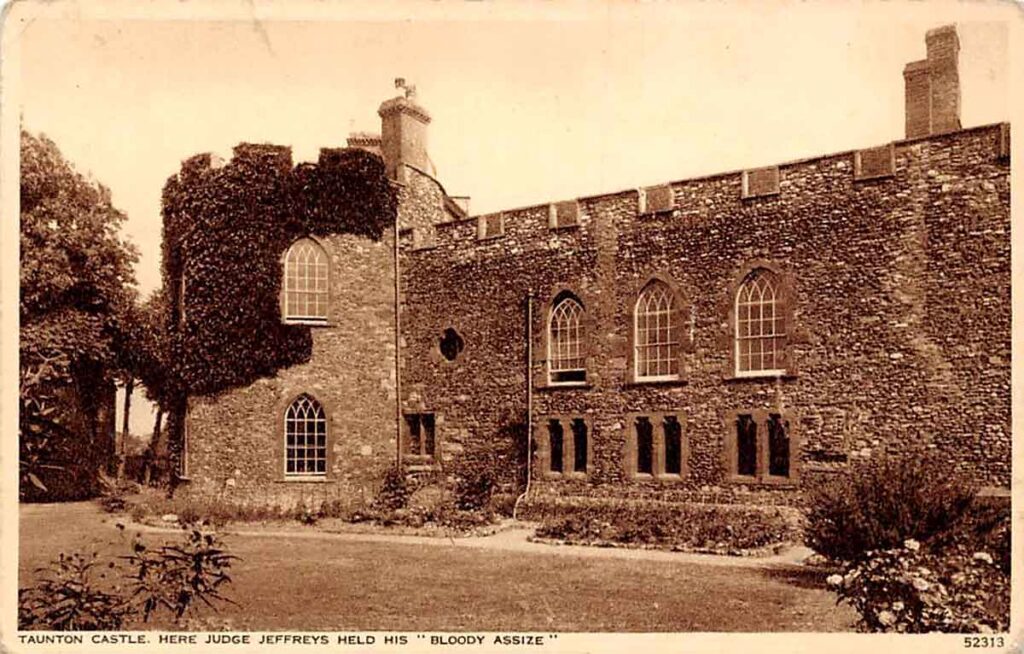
656, 333
760, 325
566, 361
305, 438
305, 282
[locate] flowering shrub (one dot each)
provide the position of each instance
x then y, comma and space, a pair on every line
910, 589
701, 527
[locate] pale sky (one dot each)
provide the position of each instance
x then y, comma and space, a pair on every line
527, 108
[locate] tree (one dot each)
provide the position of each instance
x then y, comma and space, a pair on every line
77, 287
149, 361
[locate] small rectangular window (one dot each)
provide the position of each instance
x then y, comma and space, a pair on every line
673, 446
556, 440
746, 445
579, 445
420, 439
778, 447
760, 182
414, 442
428, 433
873, 163
644, 446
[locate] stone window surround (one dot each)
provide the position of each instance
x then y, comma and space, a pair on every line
281, 437
629, 458
541, 437
587, 329
330, 295
786, 300
760, 416
420, 459
434, 345
685, 344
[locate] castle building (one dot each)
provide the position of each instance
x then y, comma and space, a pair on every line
728, 338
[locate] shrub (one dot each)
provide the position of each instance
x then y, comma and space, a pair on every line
914, 589
305, 515
68, 599
879, 507
473, 489
394, 491
707, 527
175, 576
172, 576
113, 503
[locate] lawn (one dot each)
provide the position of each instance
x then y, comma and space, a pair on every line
294, 583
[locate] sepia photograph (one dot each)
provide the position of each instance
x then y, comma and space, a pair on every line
431, 326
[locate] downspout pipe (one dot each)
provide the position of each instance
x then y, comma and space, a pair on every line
398, 353
529, 401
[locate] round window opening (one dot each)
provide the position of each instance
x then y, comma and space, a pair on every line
451, 344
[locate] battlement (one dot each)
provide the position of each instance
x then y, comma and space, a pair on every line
876, 170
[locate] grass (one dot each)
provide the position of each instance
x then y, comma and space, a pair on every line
286, 583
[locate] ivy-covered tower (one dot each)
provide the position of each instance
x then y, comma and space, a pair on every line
284, 311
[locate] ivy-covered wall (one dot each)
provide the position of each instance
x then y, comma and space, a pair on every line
226, 229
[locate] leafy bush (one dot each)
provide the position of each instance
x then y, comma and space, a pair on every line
913, 589
702, 527
394, 491
305, 515
879, 507
175, 576
113, 503
67, 598
473, 489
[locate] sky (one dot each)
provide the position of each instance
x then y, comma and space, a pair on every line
530, 102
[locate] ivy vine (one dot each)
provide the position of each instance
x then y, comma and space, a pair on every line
225, 232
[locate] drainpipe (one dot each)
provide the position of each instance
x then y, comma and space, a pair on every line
529, 400
398, 356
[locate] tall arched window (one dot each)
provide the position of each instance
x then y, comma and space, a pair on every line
760, 325
565, 341
305, 282
305, 438
656, 336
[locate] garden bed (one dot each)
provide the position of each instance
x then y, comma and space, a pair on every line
155, 509
737, 530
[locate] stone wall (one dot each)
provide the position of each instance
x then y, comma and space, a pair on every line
235, 440
900, 334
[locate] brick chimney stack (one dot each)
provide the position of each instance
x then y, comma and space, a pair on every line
933, 86
404, 131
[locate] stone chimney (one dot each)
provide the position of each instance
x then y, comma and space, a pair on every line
933, 86
365, 141
404, 131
